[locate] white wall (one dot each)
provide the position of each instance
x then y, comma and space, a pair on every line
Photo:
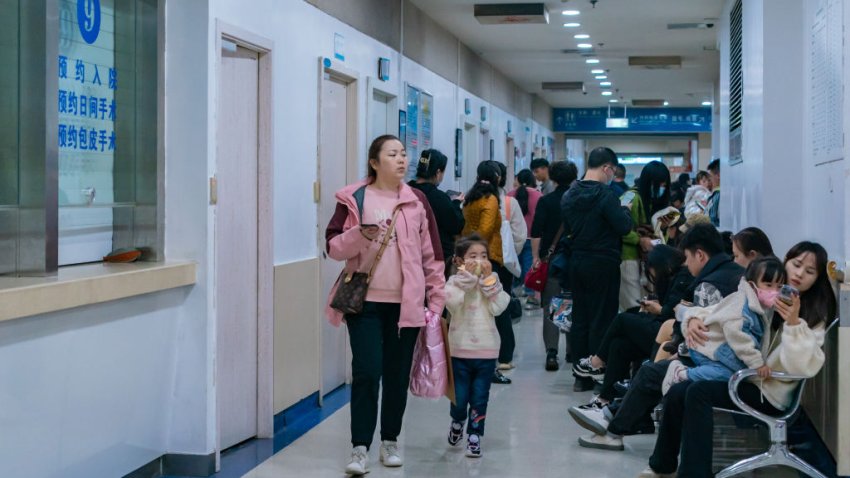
105, 389
777, 187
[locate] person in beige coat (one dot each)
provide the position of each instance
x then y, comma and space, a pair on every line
793, 344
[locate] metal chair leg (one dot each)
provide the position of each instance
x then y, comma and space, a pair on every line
797, 463
749, 464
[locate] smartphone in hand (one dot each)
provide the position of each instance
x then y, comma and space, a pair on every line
787, 293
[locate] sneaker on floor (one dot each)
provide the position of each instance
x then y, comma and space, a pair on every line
584, 369
390, 456
590, 418
473, 446
650, 473
506, 366
676, 372
602, 442
455, 433
499, 378
552, 363
359, 462
595, 402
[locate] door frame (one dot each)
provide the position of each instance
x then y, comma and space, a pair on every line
351, 79
374, 85
265, 223
471, 140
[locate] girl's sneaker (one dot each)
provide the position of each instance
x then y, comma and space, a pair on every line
676, 372
473, 446
455, 433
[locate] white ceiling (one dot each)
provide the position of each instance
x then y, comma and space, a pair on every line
532, 54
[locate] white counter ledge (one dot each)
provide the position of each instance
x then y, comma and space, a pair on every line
76, 286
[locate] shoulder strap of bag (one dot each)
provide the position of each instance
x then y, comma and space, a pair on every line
555, 241
384, 243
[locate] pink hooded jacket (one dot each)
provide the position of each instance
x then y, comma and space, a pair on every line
422, 265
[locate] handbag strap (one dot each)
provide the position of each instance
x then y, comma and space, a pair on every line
555, 241
384, 243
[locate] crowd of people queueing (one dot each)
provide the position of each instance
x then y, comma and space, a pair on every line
664, 306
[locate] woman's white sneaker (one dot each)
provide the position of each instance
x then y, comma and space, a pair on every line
359, 462
390, 456
602, 442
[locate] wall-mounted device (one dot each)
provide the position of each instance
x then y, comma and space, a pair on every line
384, 69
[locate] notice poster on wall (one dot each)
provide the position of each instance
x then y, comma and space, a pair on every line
420, 117
826, 81
88, 80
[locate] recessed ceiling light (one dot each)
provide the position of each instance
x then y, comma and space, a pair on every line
666, 103
607, 93
572, 25
570, 13
585, 45
613, 100
597, 72
706, 103
604, 83
592, 61
581, 36
601, 77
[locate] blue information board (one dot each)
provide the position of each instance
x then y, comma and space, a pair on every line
640, 120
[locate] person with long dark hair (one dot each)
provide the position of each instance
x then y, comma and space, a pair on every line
482, 212
650, 196
527, 196
792, 343
407, 277
429, 175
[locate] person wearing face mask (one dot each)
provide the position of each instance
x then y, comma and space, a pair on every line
650, 196
792, 343
594, 224
735, 328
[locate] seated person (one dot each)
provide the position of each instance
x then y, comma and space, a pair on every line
631, 335
716, 277
735, 328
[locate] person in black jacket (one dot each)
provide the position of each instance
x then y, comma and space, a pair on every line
631, 337
450, 221
716, 277
544, 229
594, 223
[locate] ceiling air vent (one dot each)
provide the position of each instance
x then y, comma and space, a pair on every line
648, 103
690, 26
576, 51
511, 13
656, 62
563, 85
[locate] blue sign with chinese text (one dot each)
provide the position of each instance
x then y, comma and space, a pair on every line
640, 120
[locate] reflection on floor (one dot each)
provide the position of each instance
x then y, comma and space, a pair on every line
529, 433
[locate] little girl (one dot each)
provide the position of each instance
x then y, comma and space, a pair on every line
474, 297
736, 327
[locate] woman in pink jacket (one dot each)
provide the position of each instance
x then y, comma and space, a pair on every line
407, 279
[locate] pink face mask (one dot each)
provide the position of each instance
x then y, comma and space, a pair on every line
767, 297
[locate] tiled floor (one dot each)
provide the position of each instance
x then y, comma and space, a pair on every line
529, 433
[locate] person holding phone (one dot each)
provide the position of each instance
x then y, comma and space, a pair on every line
408, 277
650, 196
430, 172
792, 343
